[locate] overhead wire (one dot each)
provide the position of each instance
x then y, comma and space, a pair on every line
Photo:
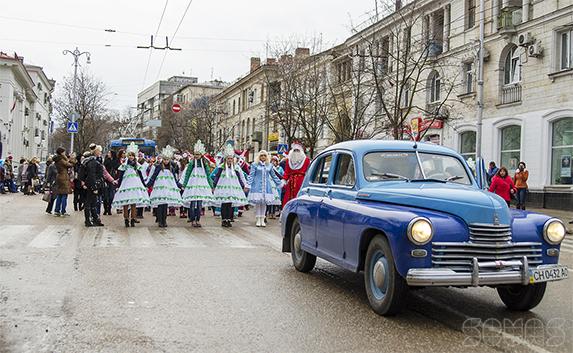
173, 37
151, 49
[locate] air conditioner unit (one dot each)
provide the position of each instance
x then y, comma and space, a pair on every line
524, 39
535, 50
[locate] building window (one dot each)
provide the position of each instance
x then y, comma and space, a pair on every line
562, 152
434, 86
234, 106
468, 145
469, 77
512, 67
470, 13
511, 147
343, 70
566, 53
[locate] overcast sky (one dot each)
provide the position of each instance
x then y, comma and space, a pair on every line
216, 36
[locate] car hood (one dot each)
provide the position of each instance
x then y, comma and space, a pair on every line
470, 204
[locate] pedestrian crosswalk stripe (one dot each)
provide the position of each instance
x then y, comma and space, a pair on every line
51, 237
140, 237
227, 238
260, 236
178, 237
112, 238
13, 233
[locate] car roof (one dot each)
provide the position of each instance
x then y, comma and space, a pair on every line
364, 146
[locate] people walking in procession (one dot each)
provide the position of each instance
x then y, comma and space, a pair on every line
259, 186
229, 184
132, 191
197, 184
62, 185
502, 185
273, 210
166, 189
294, 172
520, 180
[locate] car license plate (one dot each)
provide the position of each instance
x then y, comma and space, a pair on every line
553, 273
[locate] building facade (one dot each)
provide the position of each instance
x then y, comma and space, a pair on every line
243, 118
25, 108
149, 102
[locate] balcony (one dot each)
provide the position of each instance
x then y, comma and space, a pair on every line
510, 94
508, 20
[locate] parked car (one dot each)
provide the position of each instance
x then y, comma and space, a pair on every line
413, 215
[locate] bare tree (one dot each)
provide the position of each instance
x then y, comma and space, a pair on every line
95, 123
298, 98
401, 56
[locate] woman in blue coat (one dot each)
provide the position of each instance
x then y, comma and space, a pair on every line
259, 186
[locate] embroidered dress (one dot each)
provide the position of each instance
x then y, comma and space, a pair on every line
131, 191
165, 190
229, 190
261, 181
197, 187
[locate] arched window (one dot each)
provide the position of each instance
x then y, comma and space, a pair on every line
512, 66
434, 87
511, 147
468, 145
562, 151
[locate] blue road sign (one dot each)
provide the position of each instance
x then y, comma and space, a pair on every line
282, 148
72, 127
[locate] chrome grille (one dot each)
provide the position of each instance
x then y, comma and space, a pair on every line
489, 233
487, 242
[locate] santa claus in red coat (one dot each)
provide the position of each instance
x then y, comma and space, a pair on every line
295, 170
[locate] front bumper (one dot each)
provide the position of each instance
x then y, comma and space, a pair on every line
495, 273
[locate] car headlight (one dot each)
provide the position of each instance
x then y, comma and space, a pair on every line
554, 231
420, 231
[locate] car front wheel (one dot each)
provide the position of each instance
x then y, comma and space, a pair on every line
385, 288
302, 261
522, 298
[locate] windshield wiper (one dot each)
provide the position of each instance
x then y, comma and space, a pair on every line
454, 178
428, 179
391, 176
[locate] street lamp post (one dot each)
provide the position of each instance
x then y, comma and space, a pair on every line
77, 54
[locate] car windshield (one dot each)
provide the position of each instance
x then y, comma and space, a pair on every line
384, 166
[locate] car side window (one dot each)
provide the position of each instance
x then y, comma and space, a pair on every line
322, 170
345, 174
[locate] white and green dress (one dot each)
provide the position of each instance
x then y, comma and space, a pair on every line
197, 183
165, 190
229, 188
131, 191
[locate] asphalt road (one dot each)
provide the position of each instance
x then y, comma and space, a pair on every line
65, 288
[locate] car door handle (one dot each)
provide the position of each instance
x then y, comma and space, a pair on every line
329, 194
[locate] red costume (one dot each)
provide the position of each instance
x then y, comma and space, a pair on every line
294, 178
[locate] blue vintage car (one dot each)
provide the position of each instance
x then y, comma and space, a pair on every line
413, 215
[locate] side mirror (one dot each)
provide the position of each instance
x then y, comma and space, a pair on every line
481, 174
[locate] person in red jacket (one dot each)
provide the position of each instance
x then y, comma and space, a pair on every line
295, 170
502, 185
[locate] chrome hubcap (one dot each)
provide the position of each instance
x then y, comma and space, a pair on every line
297, 244
379, 274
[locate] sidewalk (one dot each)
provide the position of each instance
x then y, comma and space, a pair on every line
564, 216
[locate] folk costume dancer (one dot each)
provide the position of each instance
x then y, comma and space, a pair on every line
198, 186
166, 188
131, 192
229, 183
259, 186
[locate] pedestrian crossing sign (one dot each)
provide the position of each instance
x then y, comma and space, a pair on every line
72, 127
282, 148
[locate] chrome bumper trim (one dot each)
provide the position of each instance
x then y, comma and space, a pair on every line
507, 272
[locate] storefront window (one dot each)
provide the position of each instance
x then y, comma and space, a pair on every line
511, 147
468, 145
562, 152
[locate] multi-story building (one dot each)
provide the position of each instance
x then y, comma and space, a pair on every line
528, 72
244, 115
149, 101
25, 108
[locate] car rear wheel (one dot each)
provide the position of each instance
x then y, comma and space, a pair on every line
522, 298
385, 288
302, 261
